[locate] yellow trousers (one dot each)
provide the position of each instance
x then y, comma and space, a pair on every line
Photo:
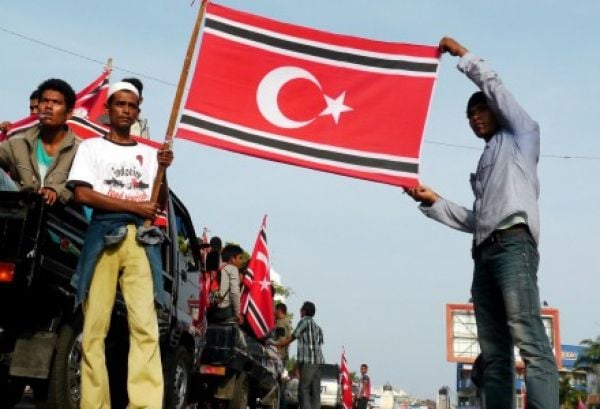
126, 264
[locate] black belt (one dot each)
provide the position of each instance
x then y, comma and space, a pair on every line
496, 235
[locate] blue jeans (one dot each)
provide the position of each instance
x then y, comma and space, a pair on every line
6, 183
507, 311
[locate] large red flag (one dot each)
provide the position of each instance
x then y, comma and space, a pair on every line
257, 299
296, 95
345, 382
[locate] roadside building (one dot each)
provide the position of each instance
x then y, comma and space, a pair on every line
463, 348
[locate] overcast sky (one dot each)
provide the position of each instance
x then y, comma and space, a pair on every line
379, 272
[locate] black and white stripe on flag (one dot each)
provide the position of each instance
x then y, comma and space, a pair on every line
305, 97
257, 296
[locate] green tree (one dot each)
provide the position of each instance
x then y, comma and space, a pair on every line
282, 290
589, 359
568, 396
591, 355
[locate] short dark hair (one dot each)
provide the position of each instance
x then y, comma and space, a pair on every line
230, 251
136, 83
61, 86
365, 365
476, 99
35, 94
281, 307
213, 260
309, 308
216, 243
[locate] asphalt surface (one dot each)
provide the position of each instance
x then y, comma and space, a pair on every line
26, 402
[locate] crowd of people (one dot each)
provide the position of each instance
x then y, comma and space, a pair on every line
114, 176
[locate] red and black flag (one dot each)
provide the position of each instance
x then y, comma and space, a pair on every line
345, 383
257, 296
292, 94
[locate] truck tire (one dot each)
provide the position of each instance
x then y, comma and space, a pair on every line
240, 395
178, 376
63, 388
11, 389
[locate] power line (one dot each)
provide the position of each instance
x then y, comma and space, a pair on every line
94, 60
543, 155
149, 77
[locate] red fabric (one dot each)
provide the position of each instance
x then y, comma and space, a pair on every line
257, 299
278, 95
346, 383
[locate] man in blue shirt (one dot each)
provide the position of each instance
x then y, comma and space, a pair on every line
504, 221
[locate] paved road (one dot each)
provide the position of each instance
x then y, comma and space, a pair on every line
26, 402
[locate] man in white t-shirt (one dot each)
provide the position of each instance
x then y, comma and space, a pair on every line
114, 176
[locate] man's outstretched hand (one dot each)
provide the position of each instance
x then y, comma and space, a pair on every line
451, 46
422, 194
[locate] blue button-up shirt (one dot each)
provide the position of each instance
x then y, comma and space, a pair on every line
505, 183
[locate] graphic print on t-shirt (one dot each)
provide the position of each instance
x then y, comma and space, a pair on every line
128, 180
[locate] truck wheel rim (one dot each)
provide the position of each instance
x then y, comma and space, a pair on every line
74, 370
180, 385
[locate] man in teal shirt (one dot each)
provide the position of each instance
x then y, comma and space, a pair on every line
39, 158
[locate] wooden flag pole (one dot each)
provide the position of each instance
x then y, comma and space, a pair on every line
160, 174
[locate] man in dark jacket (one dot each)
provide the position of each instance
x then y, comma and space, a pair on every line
39, 158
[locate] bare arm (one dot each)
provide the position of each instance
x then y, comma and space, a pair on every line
285, 341
165, 158
85, 195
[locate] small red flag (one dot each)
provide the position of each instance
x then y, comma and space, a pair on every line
292, 94
257, 298
345, 382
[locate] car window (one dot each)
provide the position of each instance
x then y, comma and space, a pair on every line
185, 242
329, 371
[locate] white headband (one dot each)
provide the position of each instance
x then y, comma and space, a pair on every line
122, 86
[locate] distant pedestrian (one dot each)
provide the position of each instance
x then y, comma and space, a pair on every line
364, 388
504, 221
309, 357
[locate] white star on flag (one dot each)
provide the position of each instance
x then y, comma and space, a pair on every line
335, 107
265, 284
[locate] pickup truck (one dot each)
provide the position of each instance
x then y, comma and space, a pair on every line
330, 388
41, 324
238, 370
